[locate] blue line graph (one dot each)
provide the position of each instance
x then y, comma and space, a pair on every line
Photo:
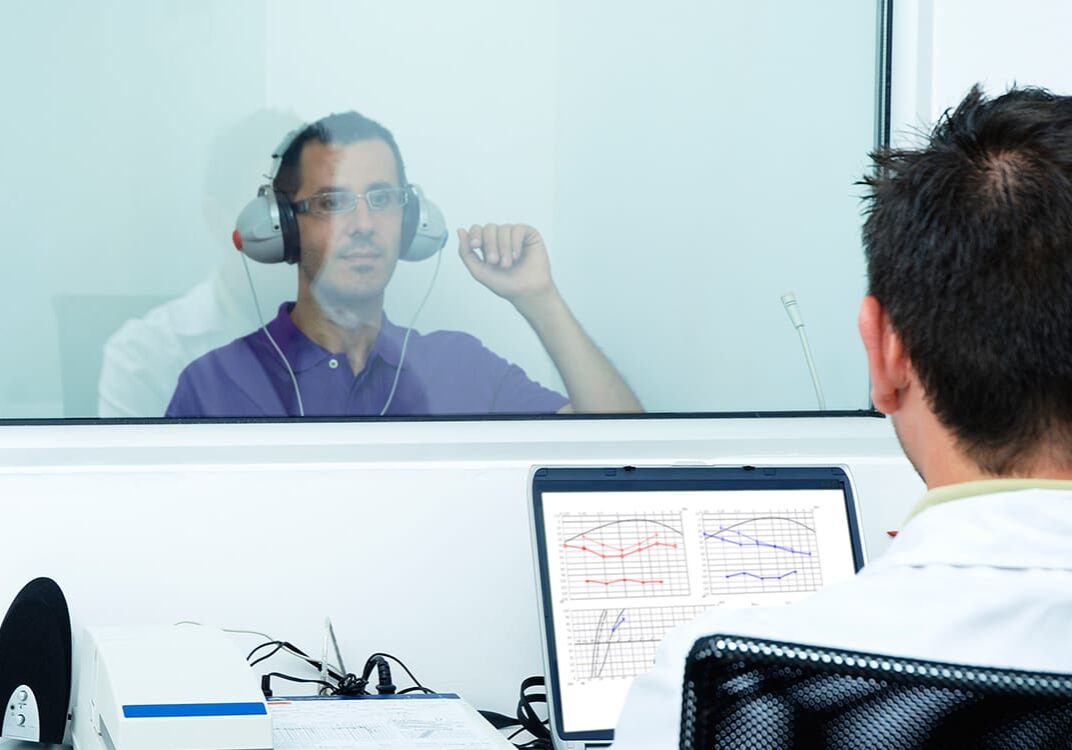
616, 643
752, 541
761, 578
760, 552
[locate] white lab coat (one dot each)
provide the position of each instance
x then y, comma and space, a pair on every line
983, 580
143, 359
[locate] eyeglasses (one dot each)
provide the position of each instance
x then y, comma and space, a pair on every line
344, 202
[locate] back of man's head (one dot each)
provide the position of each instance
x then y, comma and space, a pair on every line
337, 129
969, 251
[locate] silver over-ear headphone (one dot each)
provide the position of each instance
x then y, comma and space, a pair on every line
267, 228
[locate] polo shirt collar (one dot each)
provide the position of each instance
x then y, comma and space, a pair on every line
388, 343
304, 354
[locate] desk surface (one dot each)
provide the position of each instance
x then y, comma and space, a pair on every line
390, 722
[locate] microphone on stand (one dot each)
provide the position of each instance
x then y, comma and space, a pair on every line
789, 302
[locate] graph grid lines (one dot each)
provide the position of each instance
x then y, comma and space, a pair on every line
620, 642
759, 553
623, 555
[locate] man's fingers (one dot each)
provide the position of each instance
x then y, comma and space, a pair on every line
505, 243
465, 248
490, 244
517, 241
476, 234
496, 246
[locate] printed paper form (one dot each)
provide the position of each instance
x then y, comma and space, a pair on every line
401, 723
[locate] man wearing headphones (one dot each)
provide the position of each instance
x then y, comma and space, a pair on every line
340, 207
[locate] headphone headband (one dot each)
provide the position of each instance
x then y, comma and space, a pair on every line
277, 154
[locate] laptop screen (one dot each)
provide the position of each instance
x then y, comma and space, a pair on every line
625, 554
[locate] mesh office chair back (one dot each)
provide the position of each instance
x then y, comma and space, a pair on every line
750, 693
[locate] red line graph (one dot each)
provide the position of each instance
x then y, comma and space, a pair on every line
621, 552
620, 580
622, 555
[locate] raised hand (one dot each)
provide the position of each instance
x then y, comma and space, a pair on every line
509, 259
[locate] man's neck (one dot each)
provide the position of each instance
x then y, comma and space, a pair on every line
944, 463
351, 332
958, 469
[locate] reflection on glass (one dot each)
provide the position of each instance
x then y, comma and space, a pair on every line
684, 163
340, 207
143, 358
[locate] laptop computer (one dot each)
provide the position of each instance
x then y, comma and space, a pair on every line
624, 554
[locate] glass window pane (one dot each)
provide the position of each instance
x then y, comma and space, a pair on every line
681, 165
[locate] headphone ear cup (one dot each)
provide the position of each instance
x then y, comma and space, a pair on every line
411, 218
267, 229
424, 230
288, 227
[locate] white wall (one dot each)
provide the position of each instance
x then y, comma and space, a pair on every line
412, 538
943, 47
104, 139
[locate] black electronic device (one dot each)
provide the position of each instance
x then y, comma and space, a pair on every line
35, 663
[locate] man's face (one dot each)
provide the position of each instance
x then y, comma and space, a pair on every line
348, 258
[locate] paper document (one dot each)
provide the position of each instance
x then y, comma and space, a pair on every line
403, 722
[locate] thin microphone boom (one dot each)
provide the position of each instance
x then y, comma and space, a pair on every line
789, 302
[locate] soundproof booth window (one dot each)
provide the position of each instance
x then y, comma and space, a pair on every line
235, 210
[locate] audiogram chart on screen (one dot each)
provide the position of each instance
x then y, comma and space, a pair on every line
627, 555
760, 553
618, 642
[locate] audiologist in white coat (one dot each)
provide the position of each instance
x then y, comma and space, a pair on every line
968, 333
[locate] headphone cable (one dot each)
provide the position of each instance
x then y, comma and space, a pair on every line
409, 330
401, 356
260, 317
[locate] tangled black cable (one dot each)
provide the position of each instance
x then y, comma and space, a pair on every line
347, 684
527, 719
350, 685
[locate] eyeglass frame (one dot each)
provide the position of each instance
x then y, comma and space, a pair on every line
303, 207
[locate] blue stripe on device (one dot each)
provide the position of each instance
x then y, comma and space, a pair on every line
164, 710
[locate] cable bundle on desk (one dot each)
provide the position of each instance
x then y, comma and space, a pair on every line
528, 719
339, 682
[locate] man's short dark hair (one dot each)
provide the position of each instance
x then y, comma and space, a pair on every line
969, 250
337, 129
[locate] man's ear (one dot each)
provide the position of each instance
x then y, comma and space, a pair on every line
887, 361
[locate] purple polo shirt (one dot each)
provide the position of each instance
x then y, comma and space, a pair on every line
444, 372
